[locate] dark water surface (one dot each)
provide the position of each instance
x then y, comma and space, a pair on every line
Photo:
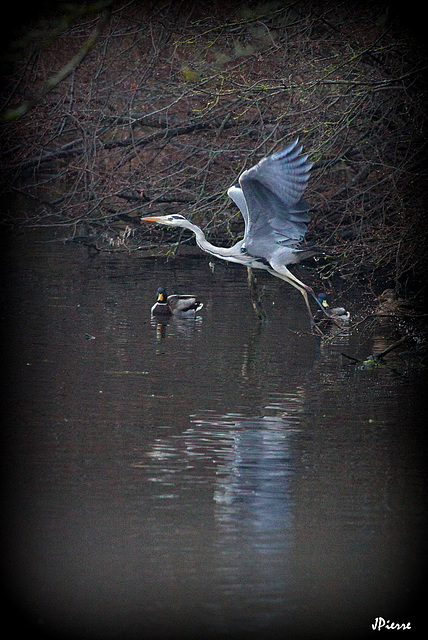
211, 478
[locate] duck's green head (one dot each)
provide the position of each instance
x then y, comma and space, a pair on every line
161, 295
322, 299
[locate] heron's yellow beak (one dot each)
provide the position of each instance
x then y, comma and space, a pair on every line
151, 219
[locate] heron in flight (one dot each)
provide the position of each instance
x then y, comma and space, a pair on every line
269, 196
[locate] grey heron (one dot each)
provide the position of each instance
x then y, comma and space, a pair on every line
179, 305
269, 196
337, 313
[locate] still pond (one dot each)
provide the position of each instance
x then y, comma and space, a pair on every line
209, 478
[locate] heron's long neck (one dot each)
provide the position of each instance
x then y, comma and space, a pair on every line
219, 252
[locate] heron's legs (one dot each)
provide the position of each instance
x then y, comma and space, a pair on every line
281, 271
286, 275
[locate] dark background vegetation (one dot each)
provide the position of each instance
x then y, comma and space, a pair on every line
114, 110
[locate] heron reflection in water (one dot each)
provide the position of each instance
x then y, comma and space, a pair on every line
269, 196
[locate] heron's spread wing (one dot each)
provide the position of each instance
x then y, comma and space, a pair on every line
277, 213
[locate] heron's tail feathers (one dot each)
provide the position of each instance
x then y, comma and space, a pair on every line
308, 251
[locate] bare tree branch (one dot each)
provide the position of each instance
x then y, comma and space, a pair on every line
163, 112
51, 83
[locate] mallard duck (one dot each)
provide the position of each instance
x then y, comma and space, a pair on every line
391, 305
337, 313
186, 306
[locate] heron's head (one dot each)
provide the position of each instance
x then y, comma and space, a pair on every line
161, 295
174, 220
322, 299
